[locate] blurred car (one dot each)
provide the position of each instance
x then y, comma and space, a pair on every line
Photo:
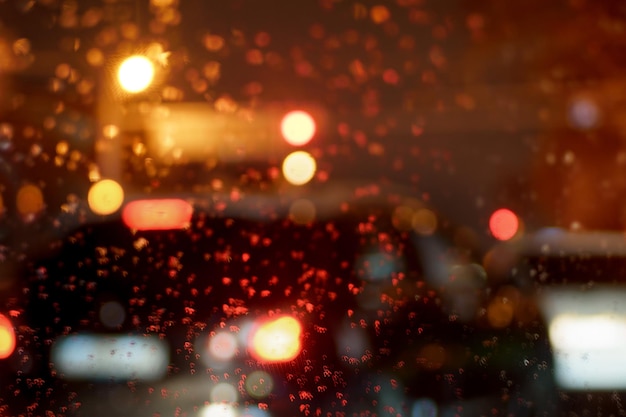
388, 320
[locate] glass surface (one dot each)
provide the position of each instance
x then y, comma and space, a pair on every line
312, 208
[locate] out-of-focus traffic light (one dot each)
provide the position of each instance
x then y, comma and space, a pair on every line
503, 224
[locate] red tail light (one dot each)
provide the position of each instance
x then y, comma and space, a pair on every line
164, 214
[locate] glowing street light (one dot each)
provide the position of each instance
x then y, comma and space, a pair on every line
299, 167
135, 73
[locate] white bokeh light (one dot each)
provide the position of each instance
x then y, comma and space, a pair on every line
587, 331
299, 167
297, 127
135, 73
219, 410
584, 113
223, 346
223, 393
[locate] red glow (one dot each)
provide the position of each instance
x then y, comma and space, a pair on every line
277, 340
503, 224
165, 214
7, 337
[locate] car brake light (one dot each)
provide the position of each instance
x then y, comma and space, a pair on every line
165, 214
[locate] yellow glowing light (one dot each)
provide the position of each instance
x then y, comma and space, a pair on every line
110, 131
7, 337
62, 147
277, 340
299, 167
135, 74
29, 200
105, 197
297, 127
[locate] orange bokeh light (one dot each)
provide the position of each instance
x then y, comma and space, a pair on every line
503, 224
277, 340
7, 337
297, 128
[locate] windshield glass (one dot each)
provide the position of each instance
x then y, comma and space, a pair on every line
314, 207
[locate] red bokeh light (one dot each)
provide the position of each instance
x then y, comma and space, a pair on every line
503, 224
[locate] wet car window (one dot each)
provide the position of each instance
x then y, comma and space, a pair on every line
311, 208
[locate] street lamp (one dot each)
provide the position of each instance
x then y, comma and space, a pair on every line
135, 73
